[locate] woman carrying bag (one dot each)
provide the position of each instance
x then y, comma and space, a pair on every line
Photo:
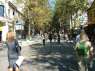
14, 51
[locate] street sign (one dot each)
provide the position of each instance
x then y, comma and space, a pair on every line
19, 25
83, 19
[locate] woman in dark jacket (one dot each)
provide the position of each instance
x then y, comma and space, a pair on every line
13, 51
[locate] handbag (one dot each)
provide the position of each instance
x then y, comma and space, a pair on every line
19, 61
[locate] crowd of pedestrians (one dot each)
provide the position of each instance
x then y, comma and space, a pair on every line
84, 49
54, 36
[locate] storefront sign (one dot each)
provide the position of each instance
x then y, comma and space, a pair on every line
19, 25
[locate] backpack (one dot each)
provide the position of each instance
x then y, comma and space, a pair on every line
17, 45
82, 50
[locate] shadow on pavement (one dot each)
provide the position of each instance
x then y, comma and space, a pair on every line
54, 57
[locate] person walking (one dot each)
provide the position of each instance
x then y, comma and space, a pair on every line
58, 38
44, 39
50, 37
13, 51
55, 37
84, 52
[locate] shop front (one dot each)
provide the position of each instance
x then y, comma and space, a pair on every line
90, 30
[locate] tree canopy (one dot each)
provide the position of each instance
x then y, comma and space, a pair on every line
38, 11
66, 8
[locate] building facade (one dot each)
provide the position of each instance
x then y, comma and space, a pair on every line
3, 20
91, 14
90, 28
9, 15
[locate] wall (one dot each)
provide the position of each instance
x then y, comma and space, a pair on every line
91, 14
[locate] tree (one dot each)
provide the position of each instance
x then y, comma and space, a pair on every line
65, 9
38, 14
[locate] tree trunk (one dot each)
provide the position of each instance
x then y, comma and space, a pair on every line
29, 31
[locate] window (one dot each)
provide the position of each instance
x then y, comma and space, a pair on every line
1, 10
13, 12
17, 21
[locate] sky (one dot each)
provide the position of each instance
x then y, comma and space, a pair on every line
90, 2
52, 4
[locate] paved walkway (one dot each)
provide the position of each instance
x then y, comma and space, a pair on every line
24, 44
51, 57
3, 60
